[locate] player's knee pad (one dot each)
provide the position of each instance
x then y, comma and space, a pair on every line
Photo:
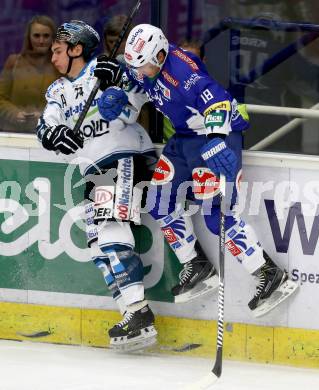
128, 272
179, 233
115, 233
242, 242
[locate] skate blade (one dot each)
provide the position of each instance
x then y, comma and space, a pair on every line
146, 339
204, 287
278, 296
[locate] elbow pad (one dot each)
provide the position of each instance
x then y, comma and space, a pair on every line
217, 122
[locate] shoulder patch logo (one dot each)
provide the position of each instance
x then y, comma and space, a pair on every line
184, 57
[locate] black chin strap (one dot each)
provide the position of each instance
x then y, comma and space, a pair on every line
69, 65
70, 60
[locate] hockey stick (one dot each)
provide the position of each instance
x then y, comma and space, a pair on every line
96, 87
208, 381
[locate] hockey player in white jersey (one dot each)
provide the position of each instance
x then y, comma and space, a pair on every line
112, 156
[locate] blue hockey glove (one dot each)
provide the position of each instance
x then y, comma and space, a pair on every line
220, 158
61, 138
111, 103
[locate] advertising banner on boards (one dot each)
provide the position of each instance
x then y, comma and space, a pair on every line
43, 250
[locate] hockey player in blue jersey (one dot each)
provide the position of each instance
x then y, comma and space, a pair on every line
208, 142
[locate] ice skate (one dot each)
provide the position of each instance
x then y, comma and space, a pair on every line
197, 278
273, 288
135, 331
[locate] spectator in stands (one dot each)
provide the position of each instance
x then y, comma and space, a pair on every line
196, 47
111, 32
26, 76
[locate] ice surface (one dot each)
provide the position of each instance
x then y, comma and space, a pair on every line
38, 366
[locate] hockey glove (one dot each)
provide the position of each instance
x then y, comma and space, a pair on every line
109, 72
61, 138
220, 158
111, 103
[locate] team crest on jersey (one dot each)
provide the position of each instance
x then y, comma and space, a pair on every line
159, 94
205, 183
164, 171
164, 90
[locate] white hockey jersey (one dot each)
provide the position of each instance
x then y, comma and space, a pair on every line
104, 141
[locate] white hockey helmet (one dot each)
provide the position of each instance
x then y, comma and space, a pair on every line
143, 44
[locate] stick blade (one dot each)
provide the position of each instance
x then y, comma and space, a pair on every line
206, 383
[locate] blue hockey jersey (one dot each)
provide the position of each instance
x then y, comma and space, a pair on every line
184, 92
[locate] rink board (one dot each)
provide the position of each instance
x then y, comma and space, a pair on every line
178, 336
47, 282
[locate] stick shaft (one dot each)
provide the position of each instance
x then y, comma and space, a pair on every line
217, 369
96, 87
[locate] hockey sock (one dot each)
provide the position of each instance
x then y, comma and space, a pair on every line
241, 241
128, 272
179, 233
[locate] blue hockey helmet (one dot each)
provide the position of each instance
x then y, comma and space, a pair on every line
77, 31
